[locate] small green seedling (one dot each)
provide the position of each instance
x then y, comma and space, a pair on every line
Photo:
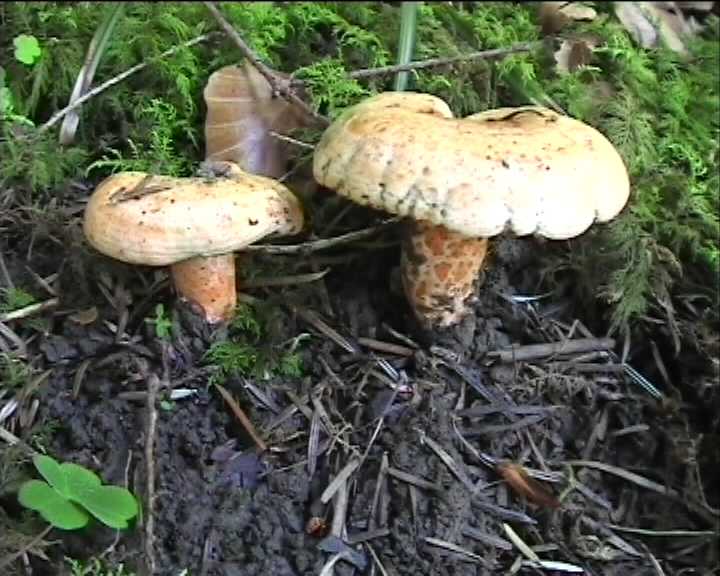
163, 324
71, 492
14, 299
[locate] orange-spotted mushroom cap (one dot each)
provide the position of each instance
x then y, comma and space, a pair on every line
527, 170
160, 220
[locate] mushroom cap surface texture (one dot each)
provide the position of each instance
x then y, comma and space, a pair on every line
145, 219
527, 170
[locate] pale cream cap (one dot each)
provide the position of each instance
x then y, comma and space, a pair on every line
174, 219
525, 170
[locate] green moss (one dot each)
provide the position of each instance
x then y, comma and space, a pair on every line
664, 118
662, 114
252, 348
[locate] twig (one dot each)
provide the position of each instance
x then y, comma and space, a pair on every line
13, 440
665, 533
414, 480
290, 140
29, 310
536, 351
290, 280
322, 244
278, 85
55, 118
26, 548
433, 62
5, 273
244, 420
341, 478
457, 549
708, 514
379, 485
321, 326
362, 537
153, 386
388, 347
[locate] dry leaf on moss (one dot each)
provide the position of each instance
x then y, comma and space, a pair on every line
574, 54
241, 114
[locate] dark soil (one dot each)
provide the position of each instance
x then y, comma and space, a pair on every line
220, 508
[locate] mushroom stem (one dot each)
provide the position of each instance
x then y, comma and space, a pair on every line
208, 281
439, 268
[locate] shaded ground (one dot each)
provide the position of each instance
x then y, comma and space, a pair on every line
420, 421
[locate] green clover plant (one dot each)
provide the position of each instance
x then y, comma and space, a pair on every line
72, 493
27, 49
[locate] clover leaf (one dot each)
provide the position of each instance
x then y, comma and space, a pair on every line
72, 491
27, 49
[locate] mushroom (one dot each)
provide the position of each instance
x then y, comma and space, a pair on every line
528, 170
194, 225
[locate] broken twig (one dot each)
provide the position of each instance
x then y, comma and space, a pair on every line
151, 432
244, 420
537, 351
30, 310
496, 53
277, 84
321, 244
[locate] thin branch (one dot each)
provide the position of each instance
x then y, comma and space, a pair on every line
493, 54
153, 386
243, 418
55, 118
322, 244
536, 351
26, 548
29, 310
278, 85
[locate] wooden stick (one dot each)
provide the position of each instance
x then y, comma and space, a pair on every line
244, 420
29, 310
493, 54
322, 243
536, 351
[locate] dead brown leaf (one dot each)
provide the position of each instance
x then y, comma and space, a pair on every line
241, 114
573, 55
527, 487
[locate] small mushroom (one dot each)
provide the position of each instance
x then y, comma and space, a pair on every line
527, 170
194, 225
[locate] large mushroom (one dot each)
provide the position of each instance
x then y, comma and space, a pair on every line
461, 181
194, 225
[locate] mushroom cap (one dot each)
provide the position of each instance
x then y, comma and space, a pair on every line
172, 219
528, 170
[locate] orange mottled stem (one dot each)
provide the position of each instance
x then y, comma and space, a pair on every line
208, 282
439, 269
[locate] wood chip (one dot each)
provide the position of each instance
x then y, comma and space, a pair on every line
341, 477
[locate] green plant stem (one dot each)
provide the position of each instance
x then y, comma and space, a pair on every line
92, 59
119, 78
406, 44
